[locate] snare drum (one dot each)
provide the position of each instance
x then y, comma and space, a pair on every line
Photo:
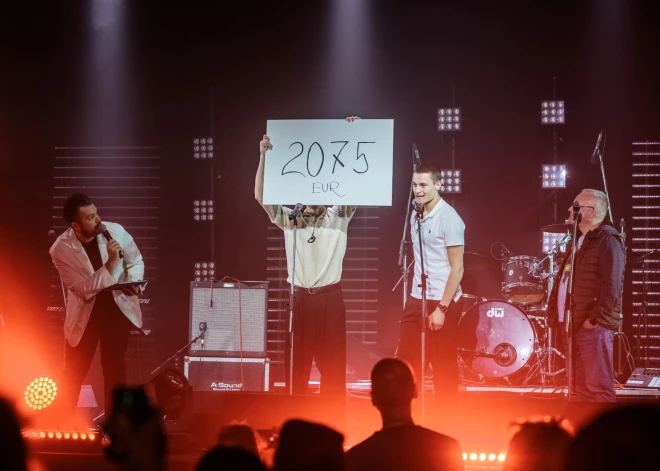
521, 283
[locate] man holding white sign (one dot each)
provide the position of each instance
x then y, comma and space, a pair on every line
320, 314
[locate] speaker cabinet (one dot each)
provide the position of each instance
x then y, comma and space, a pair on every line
235, 318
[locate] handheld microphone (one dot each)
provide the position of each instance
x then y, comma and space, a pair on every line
623, 230
108, 237
595, 153
416, 161
294, 214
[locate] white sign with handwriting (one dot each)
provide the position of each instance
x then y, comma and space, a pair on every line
329, 162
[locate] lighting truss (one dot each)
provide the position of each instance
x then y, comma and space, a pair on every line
552, 112
450, 181
449, 119
204, 271
550, 241
203, 148
203, 210
553, 176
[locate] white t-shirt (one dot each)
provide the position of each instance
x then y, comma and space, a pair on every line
441, 228
563, 285
318, 263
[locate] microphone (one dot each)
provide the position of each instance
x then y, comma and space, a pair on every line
296, 211
108, 237
202, 330
51, 233
576, 207
418, 205
577, 215
416, 161
594, 154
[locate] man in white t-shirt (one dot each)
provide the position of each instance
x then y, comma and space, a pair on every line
442, 231
319, 312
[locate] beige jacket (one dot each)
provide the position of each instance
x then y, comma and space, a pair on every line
83, 283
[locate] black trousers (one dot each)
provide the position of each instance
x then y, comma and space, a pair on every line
440, 347
112, 329
319, 333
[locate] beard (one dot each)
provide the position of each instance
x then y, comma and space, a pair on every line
92, 233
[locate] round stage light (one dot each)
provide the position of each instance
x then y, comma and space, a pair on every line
40, 393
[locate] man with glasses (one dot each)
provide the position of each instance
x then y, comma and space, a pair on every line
597, 292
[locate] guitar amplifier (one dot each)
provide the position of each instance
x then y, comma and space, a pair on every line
234, 316
644, 378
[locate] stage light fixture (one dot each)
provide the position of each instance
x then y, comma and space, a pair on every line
553, 176
172, 393
204, 271
484, 457
550, 241
449, 119
553, 112
203, 148
203, 210
40, 393
451, 181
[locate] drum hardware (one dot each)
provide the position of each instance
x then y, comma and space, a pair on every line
561, 228
545, 351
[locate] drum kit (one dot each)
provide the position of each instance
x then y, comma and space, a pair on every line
509, 341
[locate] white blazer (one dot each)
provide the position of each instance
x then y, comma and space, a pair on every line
83, 283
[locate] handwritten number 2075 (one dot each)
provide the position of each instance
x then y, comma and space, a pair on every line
310, 156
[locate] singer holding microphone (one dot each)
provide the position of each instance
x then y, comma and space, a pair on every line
89, 257
319, 323
443, 240
597, 293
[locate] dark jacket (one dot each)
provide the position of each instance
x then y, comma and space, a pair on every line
598, 282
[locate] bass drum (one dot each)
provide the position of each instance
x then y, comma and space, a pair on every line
496, 339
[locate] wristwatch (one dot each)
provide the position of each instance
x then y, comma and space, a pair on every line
593, 321
442, 307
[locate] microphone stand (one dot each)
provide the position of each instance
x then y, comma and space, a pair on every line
176, 354
292, 295
619, 334
403, 253
568, 317
424, 314
599, 153
97, 420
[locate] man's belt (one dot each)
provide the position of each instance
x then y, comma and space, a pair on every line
317, 290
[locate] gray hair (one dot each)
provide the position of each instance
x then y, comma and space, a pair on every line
601, 203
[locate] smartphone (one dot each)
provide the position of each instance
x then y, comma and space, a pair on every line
132, 404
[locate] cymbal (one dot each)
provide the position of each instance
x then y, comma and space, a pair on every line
560, 228
474, 261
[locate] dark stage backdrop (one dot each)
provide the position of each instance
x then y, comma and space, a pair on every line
67, 81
